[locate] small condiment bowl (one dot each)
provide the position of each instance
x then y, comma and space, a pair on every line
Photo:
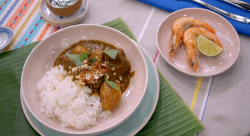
64, 11
6, 36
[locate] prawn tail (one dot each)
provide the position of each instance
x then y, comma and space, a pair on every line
218, 42
209, 28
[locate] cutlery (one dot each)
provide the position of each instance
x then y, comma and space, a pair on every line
223, 12
240, 4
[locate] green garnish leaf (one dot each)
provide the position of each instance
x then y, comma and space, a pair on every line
112, 53
93, 60
84, 56
111, 84
75, 58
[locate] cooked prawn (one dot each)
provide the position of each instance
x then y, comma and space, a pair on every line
189, 39
178, 28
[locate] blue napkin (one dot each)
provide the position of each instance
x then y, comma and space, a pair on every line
171, 6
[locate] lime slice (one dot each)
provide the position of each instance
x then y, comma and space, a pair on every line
208, 47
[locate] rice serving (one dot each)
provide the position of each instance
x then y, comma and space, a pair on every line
61, 98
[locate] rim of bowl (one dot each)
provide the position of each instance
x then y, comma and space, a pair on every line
101, 130
61, 7
9, 38
25, 112
194, 74
73, 20
157, 96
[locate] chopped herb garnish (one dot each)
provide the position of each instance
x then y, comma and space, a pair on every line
75, 58
111, 84
84, 56
93, 60
112, 53
62, 3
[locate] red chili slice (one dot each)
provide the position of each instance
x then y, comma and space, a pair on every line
94, 66
99, 67
83, 76
103, 68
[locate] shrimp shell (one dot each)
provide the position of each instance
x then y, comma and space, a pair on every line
178, 28
189, 39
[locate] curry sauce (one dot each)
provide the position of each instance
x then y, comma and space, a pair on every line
117, 70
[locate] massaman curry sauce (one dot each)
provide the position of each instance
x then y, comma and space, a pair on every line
117, 70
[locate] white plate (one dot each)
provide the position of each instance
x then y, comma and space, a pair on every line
212, 65
61, 21
132, 125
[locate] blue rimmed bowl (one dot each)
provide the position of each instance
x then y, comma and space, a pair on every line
6, 36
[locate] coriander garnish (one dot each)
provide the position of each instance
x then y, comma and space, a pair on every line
84, 56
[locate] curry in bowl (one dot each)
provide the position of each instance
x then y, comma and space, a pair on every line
99, 72
54, 97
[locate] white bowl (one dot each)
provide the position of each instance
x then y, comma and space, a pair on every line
42, 58
212, 65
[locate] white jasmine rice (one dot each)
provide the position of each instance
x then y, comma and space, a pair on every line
74, 106
62, 3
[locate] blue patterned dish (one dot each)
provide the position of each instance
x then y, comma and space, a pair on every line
6, 36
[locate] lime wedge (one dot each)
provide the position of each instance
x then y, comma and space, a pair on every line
208, 47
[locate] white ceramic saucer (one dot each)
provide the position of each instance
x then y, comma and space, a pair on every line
64, 21
132, 125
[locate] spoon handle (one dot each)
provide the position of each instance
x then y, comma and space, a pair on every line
225, 13
240, 4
